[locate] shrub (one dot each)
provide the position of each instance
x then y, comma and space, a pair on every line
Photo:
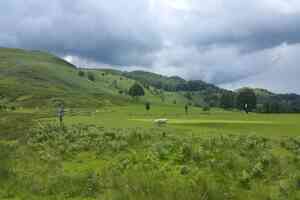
81, 73
136, 90
91, 76
188, 95
147, 105
206, 108
5, 154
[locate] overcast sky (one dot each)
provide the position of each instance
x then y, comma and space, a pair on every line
231, 43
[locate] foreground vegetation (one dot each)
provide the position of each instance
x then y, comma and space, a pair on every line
117, 153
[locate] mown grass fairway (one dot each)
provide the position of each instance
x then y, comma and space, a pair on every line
198, 122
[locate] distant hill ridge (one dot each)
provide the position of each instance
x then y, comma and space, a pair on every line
36, 78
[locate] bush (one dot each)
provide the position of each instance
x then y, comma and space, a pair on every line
81, 73
136, 90
188, 95
5, 154
206, 108
91, 76
147, 105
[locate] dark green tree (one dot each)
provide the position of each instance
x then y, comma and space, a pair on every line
136, 90
91, 76
81, 73
227, 100
186, 108
188, 95
275, 107
247, 97
147, 105
206, 108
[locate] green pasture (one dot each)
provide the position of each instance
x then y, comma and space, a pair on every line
216, 121
118, 152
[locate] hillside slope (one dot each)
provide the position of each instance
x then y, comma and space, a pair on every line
197, 92
33, 78
173, 83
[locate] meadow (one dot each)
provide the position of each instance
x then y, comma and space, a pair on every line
117, 152
197, 121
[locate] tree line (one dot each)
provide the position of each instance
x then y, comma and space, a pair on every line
274, 104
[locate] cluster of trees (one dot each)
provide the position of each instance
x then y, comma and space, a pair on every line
231, 100
90, 75
136, 90
227, 100
289, 103
6, 108
171, 84
278, 107
186, 86
195, 86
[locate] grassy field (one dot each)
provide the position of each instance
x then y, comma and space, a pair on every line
117, 152
216, 121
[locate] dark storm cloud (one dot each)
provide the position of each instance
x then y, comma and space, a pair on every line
220, 41
114, 33
249, 26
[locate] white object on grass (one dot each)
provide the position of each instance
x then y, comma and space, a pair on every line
161, 121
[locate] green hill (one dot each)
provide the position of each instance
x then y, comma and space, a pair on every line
33, 78
36, 79
173, 83
197, 92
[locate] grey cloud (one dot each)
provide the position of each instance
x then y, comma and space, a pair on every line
223, 42
282, 77
115, 33
250, 26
